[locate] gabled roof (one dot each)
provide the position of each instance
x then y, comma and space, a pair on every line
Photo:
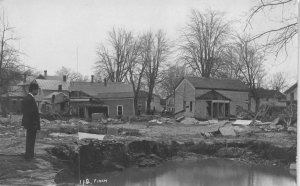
217, 84
294, 86
49, 96
46, 84
266, 93
99, 90
212, 95
58, 78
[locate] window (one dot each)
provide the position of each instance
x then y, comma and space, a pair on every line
184, 105
292, 96
120, 110
191, 106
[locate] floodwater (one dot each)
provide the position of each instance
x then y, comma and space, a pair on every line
208, 172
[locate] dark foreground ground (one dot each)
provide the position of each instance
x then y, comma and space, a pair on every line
46, 166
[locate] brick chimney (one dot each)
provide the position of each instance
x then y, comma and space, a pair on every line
59, 88
24, 78
64, 78
45, 73
92, 78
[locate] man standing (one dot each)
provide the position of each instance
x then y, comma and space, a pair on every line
31, 119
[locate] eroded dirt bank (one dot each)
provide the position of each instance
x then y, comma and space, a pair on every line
95, 156
59, 159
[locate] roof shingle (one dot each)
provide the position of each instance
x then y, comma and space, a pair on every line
221, 84
52, 84
99, 90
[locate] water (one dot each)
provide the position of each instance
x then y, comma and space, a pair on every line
209, 172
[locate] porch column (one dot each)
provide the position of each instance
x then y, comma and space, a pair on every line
211, 109
224, 114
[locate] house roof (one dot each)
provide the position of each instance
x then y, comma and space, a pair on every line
221, 84
49, 96
212, 95
58, 78
266, 93
294, 86
52, 84
99, 90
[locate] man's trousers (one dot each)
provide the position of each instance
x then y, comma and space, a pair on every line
30, 141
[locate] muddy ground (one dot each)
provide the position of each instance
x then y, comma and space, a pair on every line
43, 170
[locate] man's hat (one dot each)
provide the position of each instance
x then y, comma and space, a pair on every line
33, 86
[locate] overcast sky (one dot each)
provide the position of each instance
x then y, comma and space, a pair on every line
50, 31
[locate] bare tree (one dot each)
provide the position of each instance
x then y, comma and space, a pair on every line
277, 37
71, 75
230, 67
171, 77
278, 81
203, 41
250, 66
136, 69
10, 68
113, 60
155, 52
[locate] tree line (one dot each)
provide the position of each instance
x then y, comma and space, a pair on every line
207, 47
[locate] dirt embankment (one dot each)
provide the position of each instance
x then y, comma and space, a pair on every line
100, 156
61, 156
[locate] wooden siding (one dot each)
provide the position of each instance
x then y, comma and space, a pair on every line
185, 92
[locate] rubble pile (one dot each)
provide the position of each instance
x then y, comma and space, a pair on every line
144, 118
51, 116
161, 120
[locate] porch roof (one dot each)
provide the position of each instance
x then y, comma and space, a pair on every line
212, 95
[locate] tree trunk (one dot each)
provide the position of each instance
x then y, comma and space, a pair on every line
257, 102
3, 107
135, 103
149, 99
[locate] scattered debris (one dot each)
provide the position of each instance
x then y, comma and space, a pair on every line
189, 121
112, 131
61, 135
45, 121
264, 123
83, 135
228, 130
179, 119
207, 134
82, 122
242, 122
202, 123
211, 128
4, 120
213, 121
155, 121
50, 116
129, 132
166, 120
241, 129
